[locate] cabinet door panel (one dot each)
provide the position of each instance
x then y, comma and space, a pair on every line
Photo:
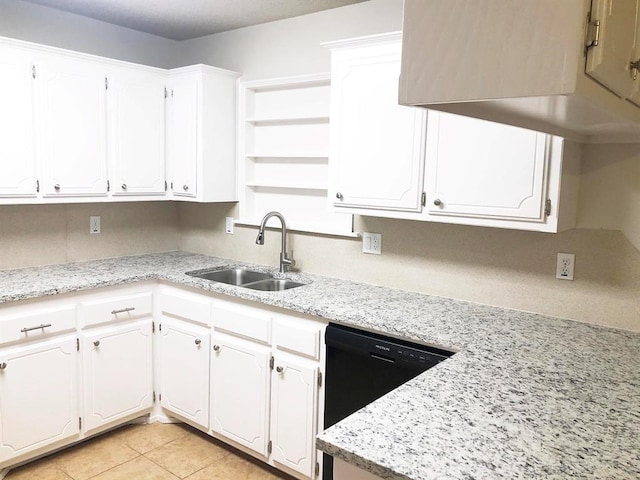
479, 168
185, 348
377, 146
117, 373
239, 386
136, 101
38, 396
17, 159
608, 62
72, 106
182, 136
293, 414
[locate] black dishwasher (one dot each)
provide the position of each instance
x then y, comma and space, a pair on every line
363, 366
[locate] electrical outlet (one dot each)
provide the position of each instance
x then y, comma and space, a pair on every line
94, 224
228, 228
565, 265
372, 243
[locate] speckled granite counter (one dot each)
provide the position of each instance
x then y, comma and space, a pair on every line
526, 396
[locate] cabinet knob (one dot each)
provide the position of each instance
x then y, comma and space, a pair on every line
185, 187
3, 365
96, 343
216, 348
124, 186
437, 202
279, 369
198, 341
339, 196
56, 187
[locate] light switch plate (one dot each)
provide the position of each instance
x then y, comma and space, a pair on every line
372, 243
228, 225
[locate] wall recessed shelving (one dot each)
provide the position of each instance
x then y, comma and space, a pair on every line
283, 154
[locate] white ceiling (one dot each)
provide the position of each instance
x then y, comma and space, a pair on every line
185, 19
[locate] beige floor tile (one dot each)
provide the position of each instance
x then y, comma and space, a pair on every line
144, 438
236, 468
93, 457
41, 470
139, 468
187, 455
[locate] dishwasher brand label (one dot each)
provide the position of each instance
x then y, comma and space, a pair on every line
382, 347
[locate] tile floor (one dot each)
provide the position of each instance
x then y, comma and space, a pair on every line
148, 452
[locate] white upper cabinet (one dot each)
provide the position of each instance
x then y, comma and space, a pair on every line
72, 126
17, 156
377, 146
481, 168
523, 63
136, 107
201, 141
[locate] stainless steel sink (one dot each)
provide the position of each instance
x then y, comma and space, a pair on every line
247, 279
273, 285
236, 276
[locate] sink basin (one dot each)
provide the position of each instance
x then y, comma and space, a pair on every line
273, 285
236, 276
247, 279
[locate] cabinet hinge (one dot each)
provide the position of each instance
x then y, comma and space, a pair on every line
319, 379
165, 92
271, 362
165, 185
171, 184
80, 423
317, 470
593, 33
547, 207
37, 186
171, 93
153, 330
160, 397
159, 327
108, 186
106, 83
269, 447
78, 344
154, 397
423, 199
33, 71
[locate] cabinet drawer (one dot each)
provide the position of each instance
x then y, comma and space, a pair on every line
42, 323
242, 322
191, 307
119, 308
298, 338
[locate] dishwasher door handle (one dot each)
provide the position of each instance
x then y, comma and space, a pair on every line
384, 359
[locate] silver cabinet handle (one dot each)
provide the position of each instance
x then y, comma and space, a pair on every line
3, 365
634, 67
339, 196
198, 341
124, 186
279, 369
123, 310
56, 187
185, 187
437, 202
216, 348
41, 326
96, 343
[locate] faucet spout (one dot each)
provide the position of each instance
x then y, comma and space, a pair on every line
286, 262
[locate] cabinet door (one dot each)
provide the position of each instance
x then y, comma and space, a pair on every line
377, 146
484, 169
17, 159
136, 128
182, 136
71, 105
117, 375
38, 396
185, 348
608, 63
239, 391
294, 411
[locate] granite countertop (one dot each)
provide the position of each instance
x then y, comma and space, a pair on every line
526, 396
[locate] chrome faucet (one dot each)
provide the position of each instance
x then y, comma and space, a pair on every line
286, 262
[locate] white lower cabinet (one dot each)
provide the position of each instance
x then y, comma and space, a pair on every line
240, 377
117, 373
184, 347
38, 396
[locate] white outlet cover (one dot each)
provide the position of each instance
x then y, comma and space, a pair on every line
228, 225
565, 266
372, 243
94, 224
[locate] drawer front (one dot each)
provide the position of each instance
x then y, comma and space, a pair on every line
190, 307
124, 307
298, 338
242, 322
43, 322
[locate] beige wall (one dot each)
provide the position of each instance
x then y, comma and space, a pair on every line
46, 234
